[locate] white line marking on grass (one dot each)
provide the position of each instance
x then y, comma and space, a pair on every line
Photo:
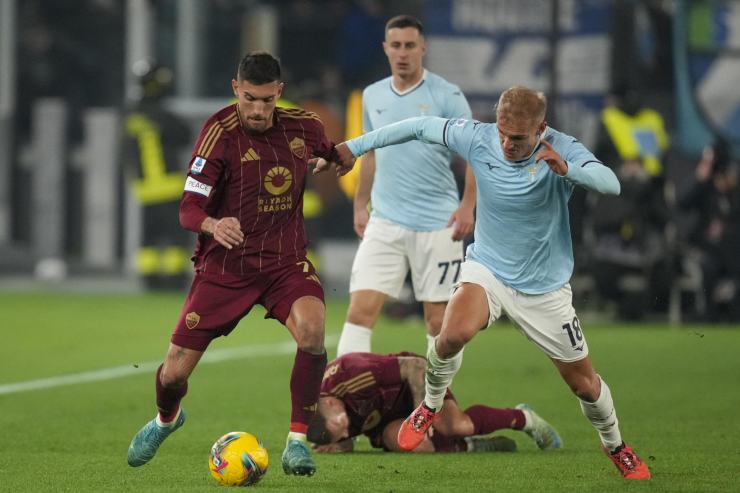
212, 356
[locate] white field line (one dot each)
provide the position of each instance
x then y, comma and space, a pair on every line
212, 356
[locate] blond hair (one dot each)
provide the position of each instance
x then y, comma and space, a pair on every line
520, 103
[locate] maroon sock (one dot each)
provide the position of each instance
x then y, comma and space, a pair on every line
168, 398
305, 384
448, 444
489, 419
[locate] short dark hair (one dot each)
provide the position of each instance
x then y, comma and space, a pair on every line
259, 67
317, 432
401, 21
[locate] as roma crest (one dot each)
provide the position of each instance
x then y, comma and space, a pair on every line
191, 320
371, 421
298, 147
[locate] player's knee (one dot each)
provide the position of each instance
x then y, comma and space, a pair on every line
445, 427
171, 378
310, 335
362, 312
450, 343
461, 428
454, 425
361, 318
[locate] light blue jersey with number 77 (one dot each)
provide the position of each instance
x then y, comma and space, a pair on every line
522, 230
414, 185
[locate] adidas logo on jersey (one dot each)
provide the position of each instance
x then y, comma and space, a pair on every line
250, 155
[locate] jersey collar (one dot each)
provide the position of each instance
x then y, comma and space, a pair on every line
398, 92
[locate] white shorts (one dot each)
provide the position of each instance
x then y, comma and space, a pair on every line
388, 250
549, 320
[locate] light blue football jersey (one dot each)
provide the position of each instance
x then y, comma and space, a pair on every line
414, 185
522, 229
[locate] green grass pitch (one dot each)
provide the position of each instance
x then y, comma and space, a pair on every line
677, 393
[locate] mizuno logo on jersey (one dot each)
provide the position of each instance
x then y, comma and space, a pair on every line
250, 155
491, 166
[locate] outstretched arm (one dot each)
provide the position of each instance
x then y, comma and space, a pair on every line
425, 128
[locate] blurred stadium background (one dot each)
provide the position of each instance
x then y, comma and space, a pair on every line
80, 79
100, 101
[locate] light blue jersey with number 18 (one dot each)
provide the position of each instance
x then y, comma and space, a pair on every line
413, 186
522, 230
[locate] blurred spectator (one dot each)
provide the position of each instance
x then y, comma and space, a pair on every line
631, 261
333, 212
308, 37
629, 256
715, 196
631, 130
361, 58
62, 54
155, 140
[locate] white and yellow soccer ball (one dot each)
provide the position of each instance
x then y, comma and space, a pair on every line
238, 459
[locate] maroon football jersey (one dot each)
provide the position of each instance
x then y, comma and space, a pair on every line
258, 178
372, 390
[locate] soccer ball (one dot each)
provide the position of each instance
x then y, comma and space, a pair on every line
238, 459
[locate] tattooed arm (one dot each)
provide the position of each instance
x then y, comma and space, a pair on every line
412, 372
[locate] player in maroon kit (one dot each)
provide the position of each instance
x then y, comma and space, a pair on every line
371, 394
244, 196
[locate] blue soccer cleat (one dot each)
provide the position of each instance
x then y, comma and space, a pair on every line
297, 459
149, 438
539, 430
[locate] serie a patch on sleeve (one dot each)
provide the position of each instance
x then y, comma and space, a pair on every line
198, 164
193, 185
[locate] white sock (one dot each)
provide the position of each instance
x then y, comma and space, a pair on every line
294, 435
439, 375
168, 424
469, 443
603, 416
354, 339
430, 341
528, 421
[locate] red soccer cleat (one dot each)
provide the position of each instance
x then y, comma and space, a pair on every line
628, 463
414, 428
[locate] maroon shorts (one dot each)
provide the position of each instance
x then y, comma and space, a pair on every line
217, 302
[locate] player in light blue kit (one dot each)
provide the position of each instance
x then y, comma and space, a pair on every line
522, 259
417, 218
